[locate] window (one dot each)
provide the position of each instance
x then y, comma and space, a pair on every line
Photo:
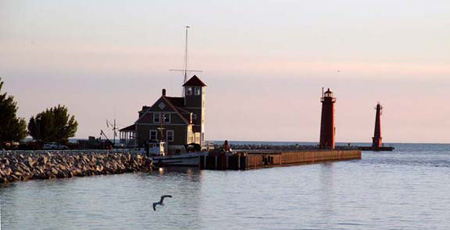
198, 90
170, 135
166, 117
156, 117
153, 135
189, 91
194, 116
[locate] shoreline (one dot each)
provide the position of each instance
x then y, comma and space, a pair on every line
59, 164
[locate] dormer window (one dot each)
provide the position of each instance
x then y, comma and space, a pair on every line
189, 91
198, 91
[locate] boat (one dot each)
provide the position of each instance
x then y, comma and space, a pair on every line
158, 152
190, 159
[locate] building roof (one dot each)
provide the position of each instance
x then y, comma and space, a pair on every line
175, 107
128, 128
194, 81
176, 101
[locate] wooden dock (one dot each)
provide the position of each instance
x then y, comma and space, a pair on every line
261, 159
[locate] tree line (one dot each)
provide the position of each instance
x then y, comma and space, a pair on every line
53, 124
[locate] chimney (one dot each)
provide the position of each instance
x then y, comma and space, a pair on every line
164, 92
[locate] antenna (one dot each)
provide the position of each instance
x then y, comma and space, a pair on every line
186, 56
114, 129
185, 70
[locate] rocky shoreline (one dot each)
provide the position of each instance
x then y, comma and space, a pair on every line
49, 165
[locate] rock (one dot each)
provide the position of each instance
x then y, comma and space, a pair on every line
61, 174
62, 168
54, 171
15, 167
29, 162
3, 180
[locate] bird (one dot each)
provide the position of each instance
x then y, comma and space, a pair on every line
161, 202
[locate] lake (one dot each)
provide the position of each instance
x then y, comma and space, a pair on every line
408, 188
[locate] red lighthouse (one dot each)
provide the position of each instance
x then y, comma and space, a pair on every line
377, 134
327, 129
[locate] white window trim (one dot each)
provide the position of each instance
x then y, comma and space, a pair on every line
155, 115
167, 115
189, 90
197, 90
167, 135
156, 135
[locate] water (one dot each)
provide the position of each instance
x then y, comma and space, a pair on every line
405, 189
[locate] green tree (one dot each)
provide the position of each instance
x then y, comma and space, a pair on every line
12, 128
54, 124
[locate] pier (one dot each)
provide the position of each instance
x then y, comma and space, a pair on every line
255, 159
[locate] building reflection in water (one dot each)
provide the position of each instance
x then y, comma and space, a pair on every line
326, 190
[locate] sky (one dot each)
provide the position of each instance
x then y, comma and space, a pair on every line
265, 63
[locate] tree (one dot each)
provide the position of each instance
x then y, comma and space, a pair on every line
12, 128
54, 124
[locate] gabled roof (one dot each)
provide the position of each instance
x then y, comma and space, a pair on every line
172, 102
175, 108
194, 81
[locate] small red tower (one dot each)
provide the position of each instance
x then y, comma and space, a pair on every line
327, 129
377, 134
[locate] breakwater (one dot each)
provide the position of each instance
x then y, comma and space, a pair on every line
65, 164
253, 159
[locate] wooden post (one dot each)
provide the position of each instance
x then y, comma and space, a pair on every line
226, 162
215, 162
239, 162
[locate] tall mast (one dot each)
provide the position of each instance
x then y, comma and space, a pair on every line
185, 69
186, 56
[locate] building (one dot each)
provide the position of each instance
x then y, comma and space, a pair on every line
176, 120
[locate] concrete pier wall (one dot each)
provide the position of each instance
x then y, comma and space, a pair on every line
256, 160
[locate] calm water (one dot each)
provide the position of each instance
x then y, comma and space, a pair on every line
405, 189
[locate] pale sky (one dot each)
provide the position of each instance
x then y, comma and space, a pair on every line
264, 62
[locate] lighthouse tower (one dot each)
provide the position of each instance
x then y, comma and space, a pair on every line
194, 101
327, 129
377, 133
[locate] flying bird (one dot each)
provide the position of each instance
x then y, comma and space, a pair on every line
161, 202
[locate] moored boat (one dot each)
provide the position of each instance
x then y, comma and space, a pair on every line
184, 159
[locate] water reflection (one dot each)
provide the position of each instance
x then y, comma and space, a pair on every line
326, 193
110, 202
381, 191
